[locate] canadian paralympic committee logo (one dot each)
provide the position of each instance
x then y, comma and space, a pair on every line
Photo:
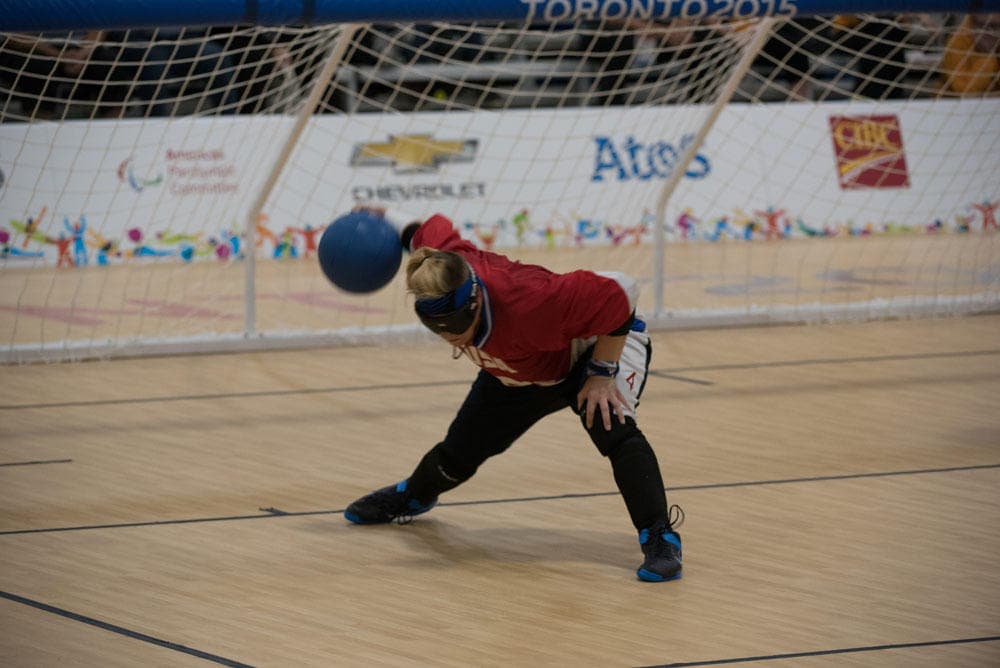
188, 172
869, 152
413, 153
126, 174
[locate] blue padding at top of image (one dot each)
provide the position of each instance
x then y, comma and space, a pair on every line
42, 15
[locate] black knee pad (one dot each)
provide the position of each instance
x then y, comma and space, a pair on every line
436, 473
608, 442
452, 465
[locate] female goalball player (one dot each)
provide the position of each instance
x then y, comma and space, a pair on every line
543, 341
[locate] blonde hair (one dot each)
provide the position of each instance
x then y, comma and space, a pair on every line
432, 273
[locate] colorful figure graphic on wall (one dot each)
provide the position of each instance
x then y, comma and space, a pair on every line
286, 245
135, 235
777, 225
76, 232
485, 234
9, 250
619, 234
586, 229
988, 210
264, 233
688, 224
743, 226
521, 225
235, 244
720, 230
30, 228
173, 238
106, 248
308, 234
62, 244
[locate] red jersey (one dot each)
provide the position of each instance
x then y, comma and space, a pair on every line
535, 322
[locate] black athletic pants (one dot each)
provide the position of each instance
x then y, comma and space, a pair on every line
494, 415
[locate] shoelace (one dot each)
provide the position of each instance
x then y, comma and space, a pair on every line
675, 517
403, 517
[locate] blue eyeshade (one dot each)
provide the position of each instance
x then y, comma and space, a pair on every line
463, 292
446, 303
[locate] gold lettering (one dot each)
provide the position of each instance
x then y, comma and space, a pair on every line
864, 135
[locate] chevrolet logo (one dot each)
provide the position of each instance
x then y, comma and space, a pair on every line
413, 153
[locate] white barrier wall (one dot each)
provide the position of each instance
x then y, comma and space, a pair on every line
181, 189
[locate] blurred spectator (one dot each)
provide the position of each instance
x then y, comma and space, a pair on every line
178, 70
874, 50
631, 59
373, 45
120, 73
694, 53
36, 70
429, 43
971, 60
193, 61
787, 56
608, 48
116, 76
433, 44
263, 66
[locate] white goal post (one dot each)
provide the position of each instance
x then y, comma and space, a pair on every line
162, 189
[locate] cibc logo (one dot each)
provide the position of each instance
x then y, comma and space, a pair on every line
869, 152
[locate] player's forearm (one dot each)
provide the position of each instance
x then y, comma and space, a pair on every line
609, 348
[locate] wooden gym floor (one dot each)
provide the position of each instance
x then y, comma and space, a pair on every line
841, 485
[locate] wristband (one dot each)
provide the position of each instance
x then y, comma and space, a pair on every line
602, 368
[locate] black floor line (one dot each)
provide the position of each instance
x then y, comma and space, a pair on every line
123, 631
114, 628
868, 359
272, 513
236, 395
37, 462
680, 379
827, 652
671, 374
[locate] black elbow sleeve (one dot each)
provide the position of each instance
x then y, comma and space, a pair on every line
406, 236
624, 328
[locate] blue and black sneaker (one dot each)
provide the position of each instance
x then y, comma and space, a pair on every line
662, 546
389, 504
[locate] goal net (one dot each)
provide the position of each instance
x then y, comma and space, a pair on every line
163, 190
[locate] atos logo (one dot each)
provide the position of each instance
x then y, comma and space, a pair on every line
126, 174
632, 159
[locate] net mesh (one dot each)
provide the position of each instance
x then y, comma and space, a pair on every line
837, 166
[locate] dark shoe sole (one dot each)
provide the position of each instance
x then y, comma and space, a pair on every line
650, 576
356, 519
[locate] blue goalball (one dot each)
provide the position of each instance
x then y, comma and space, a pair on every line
360, 252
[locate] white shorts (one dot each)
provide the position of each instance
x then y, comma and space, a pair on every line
633, 366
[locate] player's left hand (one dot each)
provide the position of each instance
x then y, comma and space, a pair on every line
603, 392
